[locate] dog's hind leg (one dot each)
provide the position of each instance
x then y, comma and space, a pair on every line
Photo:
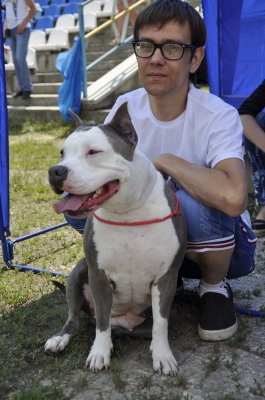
77, 279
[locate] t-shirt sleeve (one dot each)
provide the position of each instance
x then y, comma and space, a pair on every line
255, 103
225, 138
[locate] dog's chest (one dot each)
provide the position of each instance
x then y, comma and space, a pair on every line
135, 255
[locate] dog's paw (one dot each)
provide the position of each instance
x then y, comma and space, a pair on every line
57, 343
97, 360
99, 356
164, 361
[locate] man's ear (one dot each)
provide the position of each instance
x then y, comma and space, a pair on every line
196, 59
121, 123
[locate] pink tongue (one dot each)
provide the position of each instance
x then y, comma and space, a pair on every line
69, 203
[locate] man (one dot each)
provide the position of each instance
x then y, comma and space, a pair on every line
194, 138
18, 15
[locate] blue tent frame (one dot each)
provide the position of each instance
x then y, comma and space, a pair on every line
6, 242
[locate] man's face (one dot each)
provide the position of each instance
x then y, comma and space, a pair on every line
159, 76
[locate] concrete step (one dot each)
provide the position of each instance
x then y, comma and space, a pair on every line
36, 100
29, 112
46, 77
46, 88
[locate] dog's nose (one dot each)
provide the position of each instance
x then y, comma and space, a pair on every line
58, 172
57, 175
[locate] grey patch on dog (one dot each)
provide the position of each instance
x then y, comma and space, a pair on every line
168, 282
98, 280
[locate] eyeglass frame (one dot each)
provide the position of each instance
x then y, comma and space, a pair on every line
184, 46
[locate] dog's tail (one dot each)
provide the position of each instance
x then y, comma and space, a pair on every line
59, 285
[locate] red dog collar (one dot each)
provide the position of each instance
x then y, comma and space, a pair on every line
138, 223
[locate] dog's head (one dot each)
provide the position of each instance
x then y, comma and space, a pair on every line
95, 163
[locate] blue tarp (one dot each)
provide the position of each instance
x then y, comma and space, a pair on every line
69, 63
235, 47
4, 152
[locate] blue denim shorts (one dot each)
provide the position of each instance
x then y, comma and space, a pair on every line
209, 230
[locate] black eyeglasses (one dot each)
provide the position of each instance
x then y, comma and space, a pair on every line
170, 51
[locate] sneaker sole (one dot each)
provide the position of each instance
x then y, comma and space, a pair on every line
217, 335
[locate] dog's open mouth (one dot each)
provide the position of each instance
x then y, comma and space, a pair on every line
78, 205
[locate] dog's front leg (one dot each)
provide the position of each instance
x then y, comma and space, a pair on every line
99, 356
163, 358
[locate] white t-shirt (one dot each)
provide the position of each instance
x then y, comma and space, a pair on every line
14, 18
207, 132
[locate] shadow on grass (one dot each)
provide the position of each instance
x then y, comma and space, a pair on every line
24, 364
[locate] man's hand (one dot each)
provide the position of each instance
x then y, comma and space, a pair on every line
20, 28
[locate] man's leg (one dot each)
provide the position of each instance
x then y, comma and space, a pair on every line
211, 243
77, 223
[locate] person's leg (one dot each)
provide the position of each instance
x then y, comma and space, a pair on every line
13, 46
21, 66
210, 251
77, 223
256, 159
133, 13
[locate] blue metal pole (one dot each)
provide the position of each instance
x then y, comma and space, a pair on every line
83, 47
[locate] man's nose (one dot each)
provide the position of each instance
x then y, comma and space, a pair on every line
158, 56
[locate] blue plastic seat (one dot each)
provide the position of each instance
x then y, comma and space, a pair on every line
44, 22
43, 2
53, 10
59, 2
70, 8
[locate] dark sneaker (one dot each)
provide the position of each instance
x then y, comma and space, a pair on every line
217, 318
26, 95
17, 94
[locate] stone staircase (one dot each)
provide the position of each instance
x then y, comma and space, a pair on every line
43, 104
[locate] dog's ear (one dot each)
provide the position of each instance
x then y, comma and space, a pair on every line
76, 118
122, 124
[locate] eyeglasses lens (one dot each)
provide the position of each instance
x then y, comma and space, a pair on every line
171, 51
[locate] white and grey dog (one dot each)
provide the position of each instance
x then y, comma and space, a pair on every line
134, 243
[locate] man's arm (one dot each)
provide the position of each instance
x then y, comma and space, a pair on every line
32, 12
224, 187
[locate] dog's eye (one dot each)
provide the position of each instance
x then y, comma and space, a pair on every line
91, 152
61, 153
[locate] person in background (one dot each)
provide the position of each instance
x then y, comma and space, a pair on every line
195, 139
253, 120
120, 21
19, 13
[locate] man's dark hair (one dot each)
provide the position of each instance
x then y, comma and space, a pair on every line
160, 12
